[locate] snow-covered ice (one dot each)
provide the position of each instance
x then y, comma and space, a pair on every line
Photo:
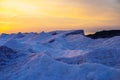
58, 55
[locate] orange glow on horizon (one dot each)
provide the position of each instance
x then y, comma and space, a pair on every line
47, 15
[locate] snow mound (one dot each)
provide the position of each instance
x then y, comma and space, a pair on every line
15, 44
106, 43
77, 42
45, 68
71, 56
40, 37
106, 56
6, 54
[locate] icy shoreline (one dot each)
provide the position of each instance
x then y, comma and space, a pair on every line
59, 55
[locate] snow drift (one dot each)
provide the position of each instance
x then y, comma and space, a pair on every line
58, 55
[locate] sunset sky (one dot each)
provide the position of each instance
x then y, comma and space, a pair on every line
47, 15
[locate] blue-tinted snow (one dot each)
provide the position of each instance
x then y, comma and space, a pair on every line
59, 55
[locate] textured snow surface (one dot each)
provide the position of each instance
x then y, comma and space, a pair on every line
58, 55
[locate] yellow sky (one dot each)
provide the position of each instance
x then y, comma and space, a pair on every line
47, 15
